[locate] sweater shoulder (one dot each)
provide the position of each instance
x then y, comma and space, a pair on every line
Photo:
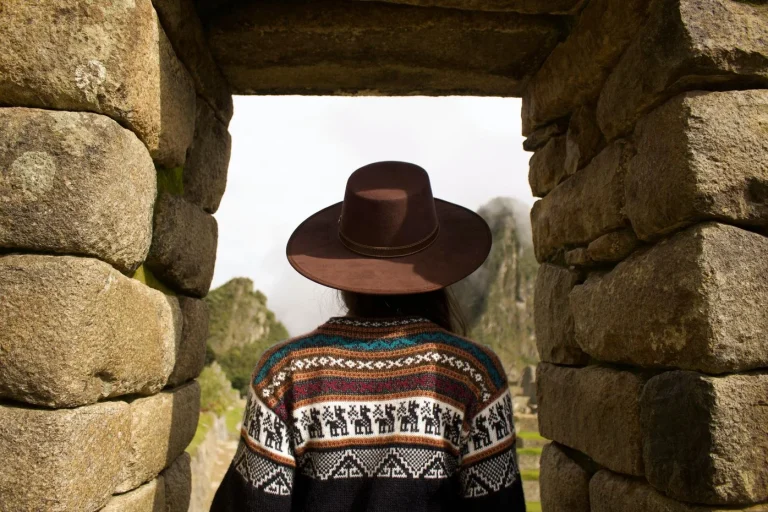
483, 354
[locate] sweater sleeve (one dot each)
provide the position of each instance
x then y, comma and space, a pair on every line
488, 472
260, 476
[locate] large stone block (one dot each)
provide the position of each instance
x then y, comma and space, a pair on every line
702, 155
706, 438
185, 31
523, 6
61, 460
541, 136
575, 71
614, 246
178, 484
594, 410
584, 207
75, 330
74, 183
205, 173
555, 337
190, 352
564, 483
161, 428
546, 167
609, 492
149, 497
584, 139
183, 250
695, 301
341, 47
111, 58
685, 45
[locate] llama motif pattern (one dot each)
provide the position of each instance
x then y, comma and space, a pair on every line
392, 400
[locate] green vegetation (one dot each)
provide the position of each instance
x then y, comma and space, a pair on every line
170, 180
241, 328
216, 393
531, 435
233, 417
143, 275
534, 451
529, 474
203, 426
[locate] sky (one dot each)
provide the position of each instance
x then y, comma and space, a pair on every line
292, 155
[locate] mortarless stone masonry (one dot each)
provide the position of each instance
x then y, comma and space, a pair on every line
90, 179
107, 57
677, 304
95, 334
647, 122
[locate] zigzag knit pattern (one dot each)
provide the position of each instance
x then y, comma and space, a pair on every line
376, 412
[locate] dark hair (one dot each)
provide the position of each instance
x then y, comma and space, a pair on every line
439, 306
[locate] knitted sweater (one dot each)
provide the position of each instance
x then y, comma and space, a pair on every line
393, 414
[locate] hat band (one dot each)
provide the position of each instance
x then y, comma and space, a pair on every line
390, 252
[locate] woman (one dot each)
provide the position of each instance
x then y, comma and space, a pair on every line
389, 408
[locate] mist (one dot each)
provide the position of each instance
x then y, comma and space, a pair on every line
292, 155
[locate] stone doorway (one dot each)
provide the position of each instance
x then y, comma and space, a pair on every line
646, 119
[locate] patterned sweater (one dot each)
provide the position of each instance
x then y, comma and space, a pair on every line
393, 414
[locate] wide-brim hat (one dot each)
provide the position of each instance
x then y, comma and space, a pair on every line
389, 236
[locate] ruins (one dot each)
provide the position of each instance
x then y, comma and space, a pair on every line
647, 119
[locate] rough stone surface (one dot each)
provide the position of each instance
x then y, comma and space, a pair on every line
541, 136
75, 330
74, 183
522, 6
546, 167
686, 44
694, 301
68, 459
610, 492
339, 47
150, 497
575, 71
190, 352
183, 250
564, 483
584, 139
181, 23
701, 155
161, 428
205, 173
594, 410
555, 338
578, 257
706, 437
178, 484
106, 57
584, 207
613, 246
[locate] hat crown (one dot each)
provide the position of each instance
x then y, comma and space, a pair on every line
388, 205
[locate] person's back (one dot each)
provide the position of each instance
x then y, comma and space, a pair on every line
389, 407
376, 414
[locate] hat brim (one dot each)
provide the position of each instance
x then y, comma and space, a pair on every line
462, 245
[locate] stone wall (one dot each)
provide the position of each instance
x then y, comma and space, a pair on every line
113, 156
647, 122
652, 297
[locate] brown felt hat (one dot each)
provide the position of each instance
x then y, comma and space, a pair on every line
389, 236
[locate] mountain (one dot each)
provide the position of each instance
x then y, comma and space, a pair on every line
239, 316
241, 327
497, 299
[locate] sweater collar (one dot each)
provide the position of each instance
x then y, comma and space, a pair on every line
376, 322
